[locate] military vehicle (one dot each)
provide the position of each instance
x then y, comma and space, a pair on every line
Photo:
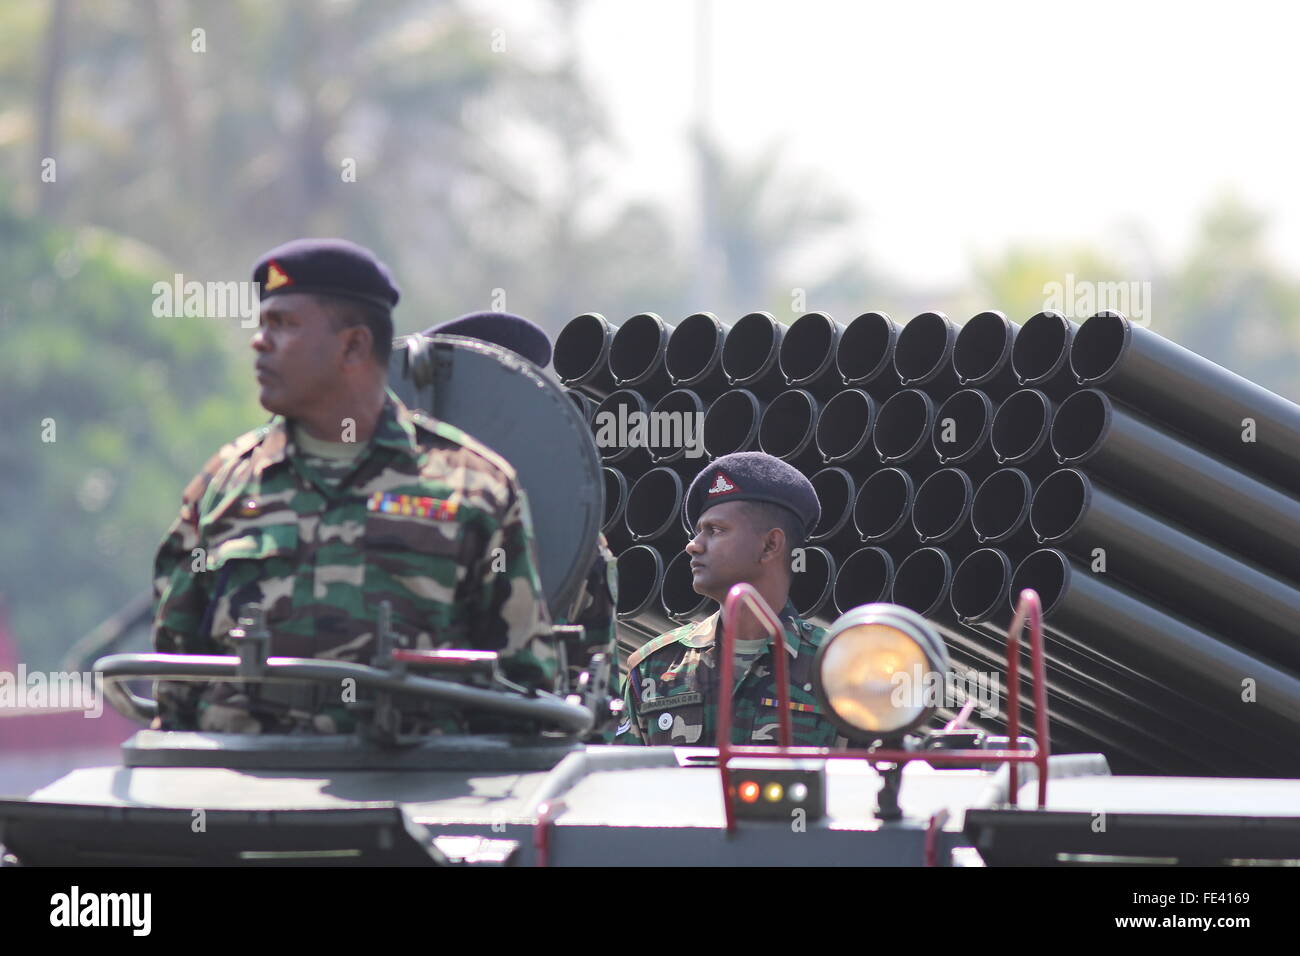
908, 791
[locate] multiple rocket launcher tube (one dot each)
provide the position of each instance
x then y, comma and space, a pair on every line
1151, 497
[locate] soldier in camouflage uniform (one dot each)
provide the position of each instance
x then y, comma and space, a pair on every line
749, 511
344, 499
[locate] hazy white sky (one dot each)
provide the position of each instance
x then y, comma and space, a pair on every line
956, 128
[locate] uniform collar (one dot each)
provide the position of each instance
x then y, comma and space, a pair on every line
702, 633
396, 430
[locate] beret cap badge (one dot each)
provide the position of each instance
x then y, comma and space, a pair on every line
722, 485
276, 277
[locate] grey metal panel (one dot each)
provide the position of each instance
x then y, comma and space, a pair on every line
509, 405
450, 795
753, 844
339, 752
691, 797
1210, 796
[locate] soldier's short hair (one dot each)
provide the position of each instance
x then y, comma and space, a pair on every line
764, 516
346, 313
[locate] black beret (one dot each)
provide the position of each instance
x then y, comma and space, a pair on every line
753, 476
512, 332
327, 267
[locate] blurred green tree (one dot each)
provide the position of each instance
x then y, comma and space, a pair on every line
461, 150
1225, 300
1230, 302
107, 412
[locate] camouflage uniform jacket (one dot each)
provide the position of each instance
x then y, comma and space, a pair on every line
670, 691
596, 608
427, 518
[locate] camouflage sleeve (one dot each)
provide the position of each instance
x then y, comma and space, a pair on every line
629, 727
598, 603
181, 591
511, 605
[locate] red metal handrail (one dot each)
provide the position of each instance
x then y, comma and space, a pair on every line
1028, 609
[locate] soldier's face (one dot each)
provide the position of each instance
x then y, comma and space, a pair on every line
726, 550
299, 354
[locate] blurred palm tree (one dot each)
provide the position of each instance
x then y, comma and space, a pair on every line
774, 230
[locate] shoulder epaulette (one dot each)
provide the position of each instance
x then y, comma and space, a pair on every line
812, 633
227, 453
452, 433
656, 643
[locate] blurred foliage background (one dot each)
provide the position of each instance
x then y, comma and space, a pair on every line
478, 175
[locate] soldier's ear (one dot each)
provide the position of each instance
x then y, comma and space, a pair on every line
358, 343
773, 545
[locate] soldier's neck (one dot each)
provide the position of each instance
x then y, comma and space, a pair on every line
348, 418
748, 627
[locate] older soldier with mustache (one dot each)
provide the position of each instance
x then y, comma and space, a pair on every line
345, 499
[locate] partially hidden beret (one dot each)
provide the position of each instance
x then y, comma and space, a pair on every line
512, 332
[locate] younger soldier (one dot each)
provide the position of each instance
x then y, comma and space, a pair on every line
343, 500
749, 510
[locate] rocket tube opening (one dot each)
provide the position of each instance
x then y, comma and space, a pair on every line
672, 438
640, 573
844, 427
1042, 348
922, 581
942, 504
694, 348
864, 578
1098, 347
865, 349
1021, 426
983, 347
620, 405
810, 588
903, 425
680, 598
1001, 505
731, 423
637, 347
586, 406
787, 426
971, 413
884, 504
1046, 571
615, 497
752, 348
808, 347
924, 347
653, 503
1081, 422
1059, 504
980, 585
581, 346
834, 487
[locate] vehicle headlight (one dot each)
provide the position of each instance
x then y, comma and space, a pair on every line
880, 672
